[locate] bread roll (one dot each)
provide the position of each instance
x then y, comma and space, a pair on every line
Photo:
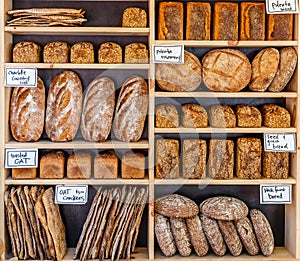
194, 116
56, 52
27, 112
131, 109
64, 106
98, 109
166, 116
134, 17
27, 52
280, 26
110, 53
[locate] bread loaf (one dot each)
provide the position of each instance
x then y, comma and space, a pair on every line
106, 165
23, 173
27, 112
52, 165
194, 116
136, 53
56, 52
222, 116
98, 109
133, 165
176, 206
64, 106
110, 53
275, 116
226, 70
276, 165
247, 116
131, 109
134, 17
185, 77
27, 52
280, 27
166, 116
82, 52
79, 166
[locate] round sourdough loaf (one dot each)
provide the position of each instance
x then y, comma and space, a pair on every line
226, 70
98, 109
27, 112
176, 206
64, 106
224, 208
179, 77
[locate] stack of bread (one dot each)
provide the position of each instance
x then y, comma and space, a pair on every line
223, 223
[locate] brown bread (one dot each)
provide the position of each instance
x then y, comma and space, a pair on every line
110, 53
194, 116
79, 165
134, 17
106, 165
247, 116
276, 165
166, 116
23, 173
222, 116
275, 116
133, 165
52, 165
82, 52
56, 52
136, 53
280, 26
27, 52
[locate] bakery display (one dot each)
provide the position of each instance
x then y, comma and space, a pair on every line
79, 165
110, 53
26, 52
198, 21
274, 116
166, 116
133, 165
134, 17
52, 165
27, 112
82, 52
280, 26
247, 116
106, 165
276, 165
222, 116
56, 52
136, 53
23, 173
170, 21
194, 115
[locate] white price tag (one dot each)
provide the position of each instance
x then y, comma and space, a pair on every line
275, 194
282, 6
168, 54
20, 77
71, 194
284, 142
21, 158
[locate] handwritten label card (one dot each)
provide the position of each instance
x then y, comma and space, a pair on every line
20, 77
275, 194
168, 54
282, 6
21, 158
71, 194
284, 142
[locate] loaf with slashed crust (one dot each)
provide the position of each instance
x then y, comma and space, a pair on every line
280, 26
27, 112
194, 116
131, 109
64, 106
98, 109
56, 52
27, 52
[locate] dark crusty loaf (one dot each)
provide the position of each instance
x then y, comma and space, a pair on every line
131, 109
134, 17
224, 208
106, 165
64, 106
52, 165
276, 165
166, 116
181, 236
82, 52
27, 112
226, 70
27, 52
213, 235
280, 26
98, 109
194, 116
263, 231
136, 53
248, 158
110, 53
247, 116
287, 65
79, 165
176, 206
275, 116
164, 235
222, 116
264, 67
56, 52
179, 77
197, 235
247, 235
231, 237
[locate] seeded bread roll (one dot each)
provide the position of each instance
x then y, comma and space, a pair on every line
287, 65
134, 17
194, 116
23, 173
225, 21
252, 25
264, 68
222, 116
167, 158
166, 116
106, 165
79, 166
275, 116
198, 21
280, 26
27, 52
221, 159
52, 165
82, 52
136, 53
248, 158
133, 165
248, 116
275, 165
194, 159
170, 21
110, 53
56, 52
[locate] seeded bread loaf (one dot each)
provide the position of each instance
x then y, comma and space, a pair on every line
134, 17
82, 52
166, 116
110, 53
27, 52
106, 165
222, 116
136, 53
275, 116
194, 116
276, 165
247, 116
280, 26
56, 52
79, 165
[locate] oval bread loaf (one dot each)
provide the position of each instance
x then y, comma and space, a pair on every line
180, 77
64, 106
98, 109
131, 110
226, 70
27, 112
224, 208
176, 206
164, 235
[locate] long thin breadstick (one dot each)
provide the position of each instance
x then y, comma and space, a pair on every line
45, 11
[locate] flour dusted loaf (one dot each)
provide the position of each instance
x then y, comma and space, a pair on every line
52, 165
275, 116
56, 52
133, 165
134, 17
252, 26
23, 173
264, 67
224, 208
222, 116
166, 116
82, 52
286, 68
136, 53
176, 206
79, 165
280, 26
26, 52
226, 70
106, 165
131, 109
98, 109
110, 53
64, 106
194, 116
27, 112
247, 116
198, 21
179, 77
276, 165
170, 21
